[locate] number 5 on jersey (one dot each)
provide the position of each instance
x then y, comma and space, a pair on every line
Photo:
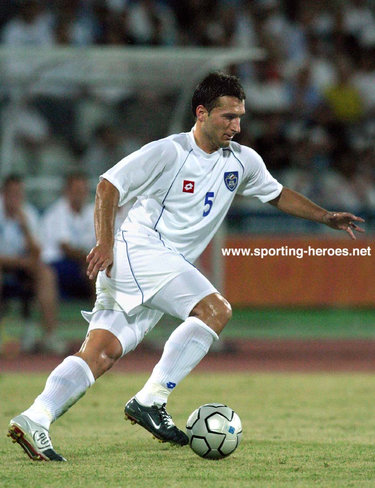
208, 201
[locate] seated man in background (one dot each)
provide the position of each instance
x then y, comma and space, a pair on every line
22, 273
68, 234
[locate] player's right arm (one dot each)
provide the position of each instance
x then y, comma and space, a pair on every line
106, 202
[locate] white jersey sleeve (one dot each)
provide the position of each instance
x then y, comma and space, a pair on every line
137, 173
258, 181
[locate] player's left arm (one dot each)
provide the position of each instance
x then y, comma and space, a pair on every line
293, 203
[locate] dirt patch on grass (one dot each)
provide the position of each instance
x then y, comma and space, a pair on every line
241, 355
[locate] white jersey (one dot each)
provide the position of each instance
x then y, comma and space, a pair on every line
183, 193
61, 225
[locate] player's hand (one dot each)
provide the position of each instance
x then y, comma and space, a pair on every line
344, 221
100, 258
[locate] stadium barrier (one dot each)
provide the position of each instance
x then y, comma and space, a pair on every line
329, 272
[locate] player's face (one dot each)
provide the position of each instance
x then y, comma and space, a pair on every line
219, 126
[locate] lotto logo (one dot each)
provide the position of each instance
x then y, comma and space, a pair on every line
188, 186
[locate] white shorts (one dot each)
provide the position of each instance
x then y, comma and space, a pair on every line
130, 303
142, 266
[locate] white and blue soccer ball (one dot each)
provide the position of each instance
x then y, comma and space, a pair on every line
214, 431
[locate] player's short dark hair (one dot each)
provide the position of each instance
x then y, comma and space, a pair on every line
212, 87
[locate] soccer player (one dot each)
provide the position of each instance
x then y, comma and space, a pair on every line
183, 186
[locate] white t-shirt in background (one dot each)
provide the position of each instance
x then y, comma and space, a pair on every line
61, 225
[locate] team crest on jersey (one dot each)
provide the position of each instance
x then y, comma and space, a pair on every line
231, 180
188, 186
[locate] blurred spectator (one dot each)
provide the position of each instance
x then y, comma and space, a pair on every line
320, 18
38, 152
364, 80
276, 33
107, 148
22, 273
343, 186
343, 98
189, 14
243, 30
151, 22
32, 25
365, 177
308, 149
32, 133
269, 25
113, 25
322, 70
304, 96
7, 11
73, 26
68, 235
358, 19
272, 142
267, 92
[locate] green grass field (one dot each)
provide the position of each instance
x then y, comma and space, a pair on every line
328, 323
300, 430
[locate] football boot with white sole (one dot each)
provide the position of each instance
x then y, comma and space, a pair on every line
157, 421
33, 438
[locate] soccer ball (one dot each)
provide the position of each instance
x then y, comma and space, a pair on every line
214, 431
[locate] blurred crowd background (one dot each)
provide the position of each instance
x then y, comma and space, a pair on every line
310, 102
310, 114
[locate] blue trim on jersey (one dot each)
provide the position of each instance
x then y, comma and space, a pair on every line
191, 264
130, 265
161, 213
169, 189
175, 251
228, 149
164, 244
178, 172
163, 241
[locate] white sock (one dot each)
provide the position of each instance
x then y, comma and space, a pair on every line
66, 384
184, 349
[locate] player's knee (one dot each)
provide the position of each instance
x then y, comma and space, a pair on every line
224, 313
99, 361
227, 312
109, 357
100, 352
214, 310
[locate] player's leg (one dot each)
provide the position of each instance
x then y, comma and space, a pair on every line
186, 347
192, 297
66, 384
130, 331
